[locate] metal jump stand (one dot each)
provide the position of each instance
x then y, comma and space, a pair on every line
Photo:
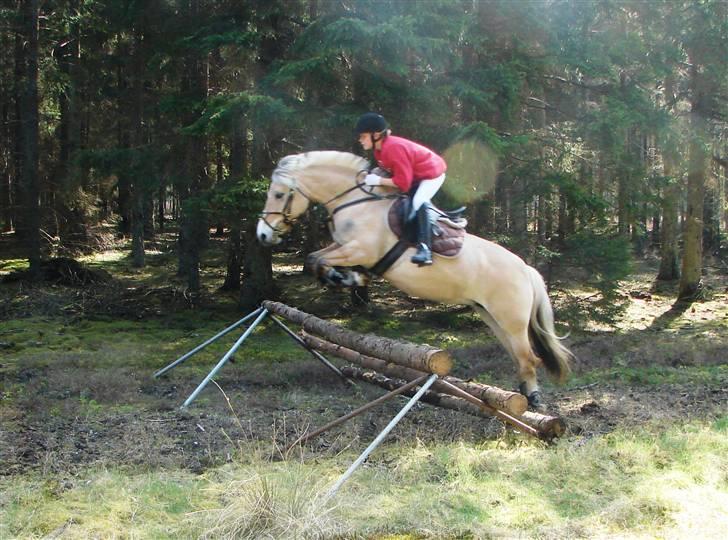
260, 314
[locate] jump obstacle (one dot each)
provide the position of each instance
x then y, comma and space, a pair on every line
398, 366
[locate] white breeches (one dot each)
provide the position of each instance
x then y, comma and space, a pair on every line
425, 191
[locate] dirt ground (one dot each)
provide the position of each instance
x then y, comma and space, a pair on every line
132, 419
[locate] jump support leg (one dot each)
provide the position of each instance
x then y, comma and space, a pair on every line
224, 359
314, 352
206, 343
376, 442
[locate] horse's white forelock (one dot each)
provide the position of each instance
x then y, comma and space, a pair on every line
284, 172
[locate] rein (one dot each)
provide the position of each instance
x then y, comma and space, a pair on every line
370, 196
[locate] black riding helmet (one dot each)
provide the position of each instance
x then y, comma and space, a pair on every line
370, 123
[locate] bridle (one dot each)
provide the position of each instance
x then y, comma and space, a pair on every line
285, 211
292, 185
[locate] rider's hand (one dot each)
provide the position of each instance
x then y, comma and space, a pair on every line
373, 180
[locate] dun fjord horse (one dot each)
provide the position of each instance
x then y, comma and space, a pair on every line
509, 295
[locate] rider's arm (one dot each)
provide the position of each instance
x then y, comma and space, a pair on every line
386, 182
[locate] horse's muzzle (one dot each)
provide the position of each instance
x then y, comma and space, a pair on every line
266, 235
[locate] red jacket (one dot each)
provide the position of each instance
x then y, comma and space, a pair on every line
408, 161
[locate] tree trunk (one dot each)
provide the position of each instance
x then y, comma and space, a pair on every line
193, 221
692, 262
670, 230
258, 284
124, 189
17, 130
138, 191
669, 267
518, 216
6, 174
237, 171
234, 255
30, 180
68, 206
162, 203
711, 218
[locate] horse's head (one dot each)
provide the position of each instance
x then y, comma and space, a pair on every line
284, 204
323, 177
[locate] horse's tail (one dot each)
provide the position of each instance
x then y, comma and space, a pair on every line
555, 356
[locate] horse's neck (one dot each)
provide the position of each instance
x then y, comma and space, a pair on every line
322, 184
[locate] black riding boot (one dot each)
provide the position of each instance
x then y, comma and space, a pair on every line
423, 257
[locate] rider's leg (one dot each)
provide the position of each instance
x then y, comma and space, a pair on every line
420, 201
423, 257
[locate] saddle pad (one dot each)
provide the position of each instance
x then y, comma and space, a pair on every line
447, 240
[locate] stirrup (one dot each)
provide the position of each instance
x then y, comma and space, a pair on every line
423, 257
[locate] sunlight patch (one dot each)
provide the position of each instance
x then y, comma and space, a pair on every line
472, 168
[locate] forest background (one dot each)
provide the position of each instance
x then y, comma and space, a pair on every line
137, 140
579, 134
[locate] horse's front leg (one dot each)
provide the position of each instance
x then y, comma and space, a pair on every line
332, 264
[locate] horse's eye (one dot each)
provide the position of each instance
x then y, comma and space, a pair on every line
279, 195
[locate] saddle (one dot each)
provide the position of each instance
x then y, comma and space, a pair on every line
448, 228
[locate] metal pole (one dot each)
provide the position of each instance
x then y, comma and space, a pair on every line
381, 436
225, 358
206, 343
356, 412
317, 354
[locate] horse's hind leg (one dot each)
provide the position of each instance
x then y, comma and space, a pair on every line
527, 362
519, 348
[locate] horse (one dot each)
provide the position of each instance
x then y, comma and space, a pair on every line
509, 295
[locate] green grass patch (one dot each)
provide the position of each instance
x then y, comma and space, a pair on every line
625, 484
656, 375
8, 266
101, 504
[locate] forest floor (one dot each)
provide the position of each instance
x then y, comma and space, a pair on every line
77, 393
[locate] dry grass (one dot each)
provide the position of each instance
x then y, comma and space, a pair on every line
285, 501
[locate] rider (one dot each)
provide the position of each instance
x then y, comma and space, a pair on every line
412, 166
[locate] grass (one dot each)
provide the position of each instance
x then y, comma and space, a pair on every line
8, 266
650, 483
655, 375
101, 504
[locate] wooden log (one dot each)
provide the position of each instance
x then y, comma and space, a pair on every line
549, 426
420, 357
552, 425
434, 398
510, 402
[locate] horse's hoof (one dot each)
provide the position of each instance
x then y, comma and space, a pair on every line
334, 277
534, 398
535, 401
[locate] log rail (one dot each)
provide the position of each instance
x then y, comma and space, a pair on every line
391, 364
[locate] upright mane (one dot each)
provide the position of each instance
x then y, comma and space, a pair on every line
325, 158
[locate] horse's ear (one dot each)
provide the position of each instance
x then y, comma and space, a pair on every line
288, 162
